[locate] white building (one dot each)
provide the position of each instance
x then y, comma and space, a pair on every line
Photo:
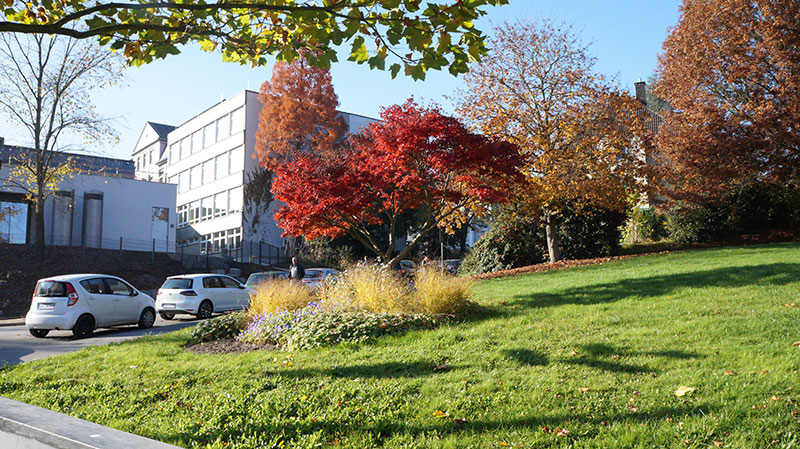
211, 159
101, 206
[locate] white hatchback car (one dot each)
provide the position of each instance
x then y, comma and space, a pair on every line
84, 302
201, 295
316, 277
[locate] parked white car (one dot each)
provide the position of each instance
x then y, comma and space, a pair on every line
84, 302
201, 295
315, 277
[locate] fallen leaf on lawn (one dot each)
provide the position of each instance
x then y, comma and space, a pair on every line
615, 356
789, 305
574, 353
459, 420
730, 373
545, 429
683, 391
440, 367
440, 414
775, 398
583, 389
764, 372
561, 432
503, 443
717, 443
797, 343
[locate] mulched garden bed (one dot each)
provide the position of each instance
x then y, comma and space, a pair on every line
227, 346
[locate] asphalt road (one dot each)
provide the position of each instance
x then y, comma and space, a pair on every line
17, 345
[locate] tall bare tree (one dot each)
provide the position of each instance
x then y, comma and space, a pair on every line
45, 87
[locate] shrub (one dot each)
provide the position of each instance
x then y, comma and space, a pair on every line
370, 288
279, 294
356, 327
590, 232
438, 292
221, 327
514, 240
644, 225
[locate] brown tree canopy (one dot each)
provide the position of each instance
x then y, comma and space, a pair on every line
299, 113
578, 135
731, 71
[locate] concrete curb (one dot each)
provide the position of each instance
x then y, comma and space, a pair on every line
24, 426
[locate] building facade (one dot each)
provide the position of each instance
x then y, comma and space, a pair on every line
101, 206
211, 159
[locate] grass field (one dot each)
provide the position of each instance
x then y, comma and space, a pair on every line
586, 358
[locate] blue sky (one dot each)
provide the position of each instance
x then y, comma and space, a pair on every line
626, 37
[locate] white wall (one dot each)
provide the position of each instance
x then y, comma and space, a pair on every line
127, 210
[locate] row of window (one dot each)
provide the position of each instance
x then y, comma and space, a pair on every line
219, 205
208, 135
215, 168
145, 159
217, 242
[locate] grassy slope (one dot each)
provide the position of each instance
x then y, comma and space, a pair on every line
631, 331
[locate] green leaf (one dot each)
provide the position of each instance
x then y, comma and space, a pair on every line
359, 52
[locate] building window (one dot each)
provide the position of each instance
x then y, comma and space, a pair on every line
206, 208
219, 241
221, 204
209, 135
221, 163
150, 161
223, 127
173, 153
183, 181
195, 177
235, 200
14, 222
235, 238
184, 147
237, 159
237, 120
197, 141
194, 212
183, 216
208, 171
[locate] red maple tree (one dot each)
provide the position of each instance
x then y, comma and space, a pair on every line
730, 71
298, 114
415, 159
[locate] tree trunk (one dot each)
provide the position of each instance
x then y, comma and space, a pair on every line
38, 228
553, 244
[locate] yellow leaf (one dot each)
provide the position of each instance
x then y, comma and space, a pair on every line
440, 414
683, 391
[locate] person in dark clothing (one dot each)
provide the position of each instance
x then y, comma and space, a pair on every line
296, 270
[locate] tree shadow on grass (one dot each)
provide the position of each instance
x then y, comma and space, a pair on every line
769, 274
381, 429
607, 358
527, 357
388, 370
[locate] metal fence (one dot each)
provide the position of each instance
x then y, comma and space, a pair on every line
253, 252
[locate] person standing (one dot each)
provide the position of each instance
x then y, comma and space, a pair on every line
296, 270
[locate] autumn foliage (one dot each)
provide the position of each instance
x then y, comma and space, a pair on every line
298, 114
730, 71
582, 141
415, 159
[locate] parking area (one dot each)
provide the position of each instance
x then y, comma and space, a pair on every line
17, 345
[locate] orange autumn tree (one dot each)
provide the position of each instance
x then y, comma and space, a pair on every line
581, 139
730, 71
298, 114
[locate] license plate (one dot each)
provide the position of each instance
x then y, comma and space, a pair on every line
46, 306
169, 306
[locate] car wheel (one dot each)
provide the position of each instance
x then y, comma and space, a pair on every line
147, 318
205, 310
167, 315
39, 333
84, 327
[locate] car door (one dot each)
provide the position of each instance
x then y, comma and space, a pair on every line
126, 306
238, 297
213, 290
100, 301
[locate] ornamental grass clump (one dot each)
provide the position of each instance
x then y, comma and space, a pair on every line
438, 292
279, 295
372, 288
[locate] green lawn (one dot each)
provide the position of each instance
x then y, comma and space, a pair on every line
598, 351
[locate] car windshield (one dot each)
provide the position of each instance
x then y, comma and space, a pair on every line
177, 283
51, 289
313, 274
257, 278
